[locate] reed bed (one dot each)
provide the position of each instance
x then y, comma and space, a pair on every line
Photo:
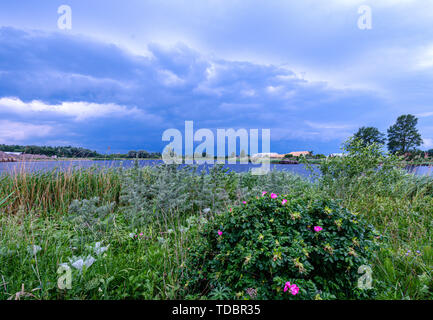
48, 192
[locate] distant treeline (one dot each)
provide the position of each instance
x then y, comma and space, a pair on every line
64, 152
141, 154
74, 152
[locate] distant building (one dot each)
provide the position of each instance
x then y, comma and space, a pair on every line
336, 155
300, 153
4, 157
271, 155
14, 153
18, 156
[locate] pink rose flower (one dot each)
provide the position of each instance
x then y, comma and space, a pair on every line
244, 202
220, 233
264, 192
318, 228
273, 196
284, 202
294, 289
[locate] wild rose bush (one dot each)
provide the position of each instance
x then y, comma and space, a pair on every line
282, 247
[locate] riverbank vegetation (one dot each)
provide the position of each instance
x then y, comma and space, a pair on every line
68, 152
402, 140
138, 233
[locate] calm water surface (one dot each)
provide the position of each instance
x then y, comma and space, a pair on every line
11, 167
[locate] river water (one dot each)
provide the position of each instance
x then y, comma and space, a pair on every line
11, 167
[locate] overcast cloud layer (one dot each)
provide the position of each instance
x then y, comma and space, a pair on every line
124, 74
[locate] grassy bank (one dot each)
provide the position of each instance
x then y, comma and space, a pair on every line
134, 228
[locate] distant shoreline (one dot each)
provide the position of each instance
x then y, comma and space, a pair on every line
77, 159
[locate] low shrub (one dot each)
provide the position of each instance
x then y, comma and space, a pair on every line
145, 192
89, 218
255, 249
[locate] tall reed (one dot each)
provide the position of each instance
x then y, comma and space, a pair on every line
53, 191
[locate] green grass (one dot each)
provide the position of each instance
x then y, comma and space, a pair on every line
405, 219
35, 211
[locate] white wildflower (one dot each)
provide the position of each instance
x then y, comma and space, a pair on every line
79, 263
34, 249
182, 229
203, 220
99, 249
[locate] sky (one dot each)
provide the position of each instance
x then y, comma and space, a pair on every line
126, 71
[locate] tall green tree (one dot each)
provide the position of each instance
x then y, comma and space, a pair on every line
369, 135
403, 136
